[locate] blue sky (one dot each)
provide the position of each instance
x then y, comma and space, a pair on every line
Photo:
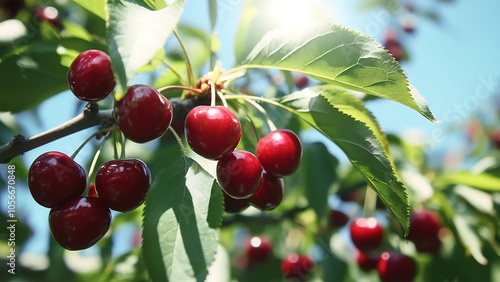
454, 65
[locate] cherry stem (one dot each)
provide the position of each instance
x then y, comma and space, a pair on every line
224, 102
94, 160
188, 63
370, 202
270, 123
179, 141
87, 141
212, 89
170, 87
19, 144
174, 71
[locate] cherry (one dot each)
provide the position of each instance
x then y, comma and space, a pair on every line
122, 184
143, 114
79, 223
393, 266
90, 76
300, 80
92, 191
258, 249
9, 8
212, 131
269, 194
239, 174
296, 266
279, 152
367, 262
337, 218
366, 234
232, 205
54, 178
50, 15
424, 229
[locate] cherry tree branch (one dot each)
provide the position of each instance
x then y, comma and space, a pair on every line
91, 116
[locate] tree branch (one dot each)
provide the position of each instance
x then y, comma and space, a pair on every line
262, 218
91, 116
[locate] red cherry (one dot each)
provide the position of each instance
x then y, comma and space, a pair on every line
424, 229
212, 131
122, 184
269, 194
258, 249
90, 76
367, 262
50, 15
239, 174
393, 266
279, 152
338, 219
232, 205
80, 223
296, 266
92, 191
366, 234
300, 80
143, 114
54, 179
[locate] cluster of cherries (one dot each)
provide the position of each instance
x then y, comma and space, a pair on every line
258, 249
367, 235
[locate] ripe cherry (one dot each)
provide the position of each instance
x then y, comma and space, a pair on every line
393, 266
232, 205
90, 76
367, 262
296, 266
181, 108
239, 174
300, 80
50, 15
122, 184
79, 223
269, 194
212, 131
424, 229
337, 218
366, 234
258, 249
54, 179
143, 114
279, 152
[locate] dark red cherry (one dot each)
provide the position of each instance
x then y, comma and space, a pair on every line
296, 267
396, 267
50, 15
366, 234
90, 76
300, 80
54, 179
269, 194
367, 262
279, 152
212, 131
424, 230
258, 249
143, 114
79, 223
92, 191
232, 205
122, 184
239, 174
337, 218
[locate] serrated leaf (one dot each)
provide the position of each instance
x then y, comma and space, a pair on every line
135, 33
339, 56
345, 121
38, 71
181, 219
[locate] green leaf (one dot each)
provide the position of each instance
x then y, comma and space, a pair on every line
318, 168
135, 33
339, 56
38, 71
212, 9
344, 120
483, 181
181, 219
94, 6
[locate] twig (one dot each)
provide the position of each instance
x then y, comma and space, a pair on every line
91, 116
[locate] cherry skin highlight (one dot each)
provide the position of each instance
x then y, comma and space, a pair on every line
212, 131
54, 179
279, 152
297, 267
366, 234
90, 76
79, 223
258, 249
122, 184
143, 114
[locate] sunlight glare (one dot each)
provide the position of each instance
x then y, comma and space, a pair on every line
291, 12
